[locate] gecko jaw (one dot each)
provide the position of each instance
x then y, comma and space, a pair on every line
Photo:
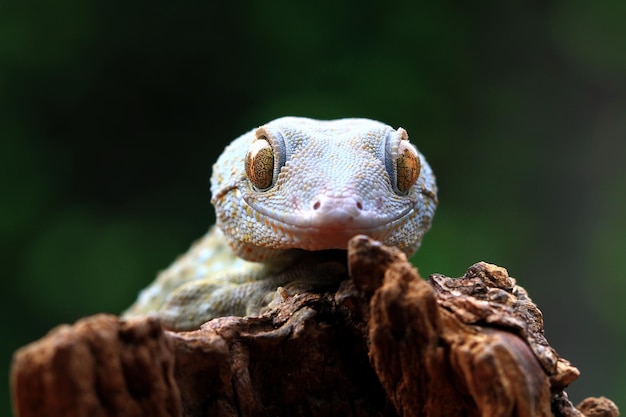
334, 213
330, 223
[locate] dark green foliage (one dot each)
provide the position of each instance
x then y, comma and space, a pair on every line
111, 114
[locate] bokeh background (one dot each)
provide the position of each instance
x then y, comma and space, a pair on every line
111, 114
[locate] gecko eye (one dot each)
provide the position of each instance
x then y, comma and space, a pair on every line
405, 168
260, 164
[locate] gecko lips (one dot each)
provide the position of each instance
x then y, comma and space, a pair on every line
331, 222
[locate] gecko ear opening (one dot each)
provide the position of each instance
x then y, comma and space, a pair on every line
260, 164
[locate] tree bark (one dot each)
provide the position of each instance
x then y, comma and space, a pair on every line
385, 343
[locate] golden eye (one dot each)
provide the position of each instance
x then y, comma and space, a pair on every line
260, 164
407, 167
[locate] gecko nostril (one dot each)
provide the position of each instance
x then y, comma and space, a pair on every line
318, 204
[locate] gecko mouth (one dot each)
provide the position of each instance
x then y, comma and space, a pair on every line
330, 222
336, 213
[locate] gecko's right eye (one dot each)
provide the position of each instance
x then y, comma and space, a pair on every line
260, 164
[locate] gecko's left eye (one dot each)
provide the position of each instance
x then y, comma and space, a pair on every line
407, 166
402, 161
260, 164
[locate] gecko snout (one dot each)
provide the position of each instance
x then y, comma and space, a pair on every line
325, 203
332, 210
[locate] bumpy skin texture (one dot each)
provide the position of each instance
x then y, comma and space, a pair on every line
323, 183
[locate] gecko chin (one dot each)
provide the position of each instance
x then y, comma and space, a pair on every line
316, 239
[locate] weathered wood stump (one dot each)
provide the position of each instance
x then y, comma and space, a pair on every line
385, 343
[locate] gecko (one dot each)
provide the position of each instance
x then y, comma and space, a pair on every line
288, 197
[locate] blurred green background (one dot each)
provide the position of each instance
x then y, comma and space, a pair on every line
111, 114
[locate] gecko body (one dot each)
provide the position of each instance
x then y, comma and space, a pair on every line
288, 197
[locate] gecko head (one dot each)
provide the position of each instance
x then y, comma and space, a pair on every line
298, 183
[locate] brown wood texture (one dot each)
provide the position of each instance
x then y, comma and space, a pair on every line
385, 343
